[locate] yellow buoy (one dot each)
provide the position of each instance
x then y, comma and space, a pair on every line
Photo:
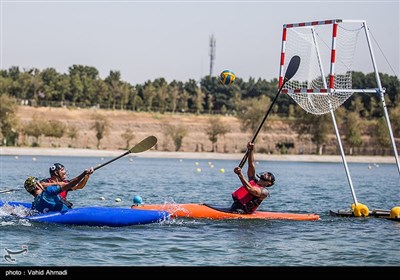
360, 210
395, 212
198, 169
222, 170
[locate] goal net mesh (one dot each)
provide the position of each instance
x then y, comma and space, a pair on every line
324, 79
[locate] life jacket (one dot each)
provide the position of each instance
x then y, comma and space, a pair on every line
49, 201
243, 195
63, 194
249, 202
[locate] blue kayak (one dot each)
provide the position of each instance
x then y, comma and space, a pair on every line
96, 216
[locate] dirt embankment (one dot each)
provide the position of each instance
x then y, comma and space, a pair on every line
145, 124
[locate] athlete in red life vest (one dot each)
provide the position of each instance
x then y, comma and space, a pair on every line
253, 191
58, 175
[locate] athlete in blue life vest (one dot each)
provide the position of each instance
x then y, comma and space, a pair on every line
47, 199
253, 191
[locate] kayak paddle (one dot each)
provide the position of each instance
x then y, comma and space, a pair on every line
291, 70
142, 146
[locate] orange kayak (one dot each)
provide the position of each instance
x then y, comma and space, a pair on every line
204, 211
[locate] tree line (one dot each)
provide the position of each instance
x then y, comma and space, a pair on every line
82, 87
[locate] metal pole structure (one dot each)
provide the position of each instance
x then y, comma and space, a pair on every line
380, 92
334, 120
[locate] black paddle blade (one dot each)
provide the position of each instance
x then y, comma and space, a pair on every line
144, 145
292, 68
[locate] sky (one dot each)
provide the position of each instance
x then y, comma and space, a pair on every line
146, 40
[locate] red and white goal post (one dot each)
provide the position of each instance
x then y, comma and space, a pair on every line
330, 50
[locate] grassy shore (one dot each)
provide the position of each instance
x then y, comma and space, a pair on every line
13, 151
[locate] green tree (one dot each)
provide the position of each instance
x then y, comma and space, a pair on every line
252, 111
22, 85
63, 88
35, 128
128, 136
8, 120
37, 85
149, 93
353, 131
72, 132
394, 116
76, 88
177, 133
5, 85
210, 104
216, 129
380, 135
54, 128
358, 107
83, 85
183, 101
115, 87
100, 126
162, 95
101, 88
174, 97
199, 101
317, 127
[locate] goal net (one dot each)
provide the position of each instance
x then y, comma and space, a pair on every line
327, 50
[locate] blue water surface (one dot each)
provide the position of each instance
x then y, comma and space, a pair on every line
300, 188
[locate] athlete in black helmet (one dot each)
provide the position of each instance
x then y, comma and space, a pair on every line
253, 191
58, 175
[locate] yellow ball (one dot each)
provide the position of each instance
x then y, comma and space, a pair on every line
222, 170
198, 169
227, 77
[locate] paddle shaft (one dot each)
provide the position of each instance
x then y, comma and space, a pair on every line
260, 126
142, 146
7, 191
111, 160
291, 70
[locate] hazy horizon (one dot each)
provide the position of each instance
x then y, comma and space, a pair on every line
170, 39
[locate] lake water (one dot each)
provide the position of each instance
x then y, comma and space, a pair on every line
301, 188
